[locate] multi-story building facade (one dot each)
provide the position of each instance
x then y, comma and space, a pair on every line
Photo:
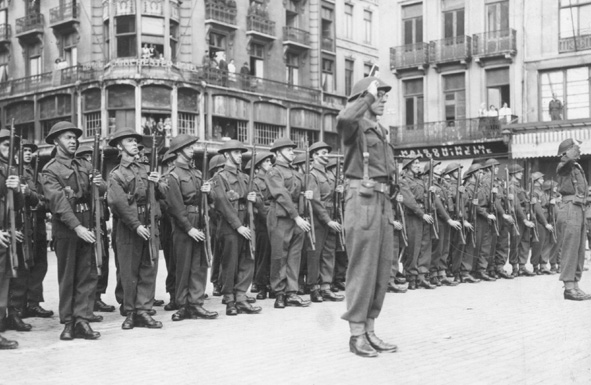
471, 77
160, 65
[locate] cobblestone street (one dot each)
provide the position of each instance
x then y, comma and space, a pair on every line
509, 332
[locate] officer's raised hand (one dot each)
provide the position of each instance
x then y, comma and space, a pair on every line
206, 188
197, 235
303, 224
252, 196
372, 88
84, 234
244, 231
143, 232
13, 182
428, 218
154, 177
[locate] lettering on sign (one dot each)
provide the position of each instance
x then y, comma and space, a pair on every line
455, 151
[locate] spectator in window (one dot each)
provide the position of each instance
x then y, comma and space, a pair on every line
245, 75
505, 114
145, 52
483, 111
493, 117
232, 71
555, 108
223, 67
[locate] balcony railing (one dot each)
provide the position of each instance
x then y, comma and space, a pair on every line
450, 131
175, 11
328, 44
220, 13
5, 32
573, 44
154, 8
32, 22
452, 49
410, 55
497, 43
296, 35
260, 24
65, 12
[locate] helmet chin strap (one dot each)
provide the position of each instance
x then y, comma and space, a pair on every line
184, 156
284, 157
63, 148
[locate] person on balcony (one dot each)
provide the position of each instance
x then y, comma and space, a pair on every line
505, 114
555, 108
232, 70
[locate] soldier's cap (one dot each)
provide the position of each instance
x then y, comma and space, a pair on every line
548, 185
122, 133
61, 127
514, 168
30, 145
428, 166
5, 135
566, 144
491, 162
471, 170
260, 157
82, 150
282, 142
407, 162
299, 159
451, 167
216, 161
536, 175
361, 86
181, 141
168, 156
232, 145
318, 146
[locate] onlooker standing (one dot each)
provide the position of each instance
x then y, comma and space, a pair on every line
555, 108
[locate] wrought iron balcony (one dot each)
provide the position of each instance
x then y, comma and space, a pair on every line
449, 131
409, 56
573, 44
451, 50
63, 15
5, 33
327, 44
29, 25
495, 44
296, 37
175, 11
220, 15
260, 26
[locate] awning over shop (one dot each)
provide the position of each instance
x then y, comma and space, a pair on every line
545, 143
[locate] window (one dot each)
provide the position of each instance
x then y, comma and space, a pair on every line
257, 55
126, 36
498, 87
107, 40
412, 21
454, 93
348, 25
3, 67
217, 42
265, 134
302, 136
570, 87
328, 75
121, 106
367, 26
292, 69
152, 37
69, 50
54, 109
33, 59
327, 29
575, 18
24, 118
188, 107
91, 100
349, 74
453, 24
413, 104
497, 16
174, 40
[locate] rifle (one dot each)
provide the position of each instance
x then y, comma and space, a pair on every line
25, 214
205, 213
552, 214
431, 209
10, 208
399, 211
251, 205
459, 206
34, 216
509, 205
492, 207
531, 212
308, 212
337, 206
473, 212
154, 236
96, 209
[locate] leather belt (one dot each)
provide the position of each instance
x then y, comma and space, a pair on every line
142, 209
192, 209
574, 199
81, 207
383, 188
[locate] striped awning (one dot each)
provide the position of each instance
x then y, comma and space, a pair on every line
541, 144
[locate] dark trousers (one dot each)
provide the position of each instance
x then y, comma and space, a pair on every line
395, 256
475, 255
417, 256
4, 282
167, 243
103, 280
340, 266
118, 285
320, 262
440, 250
216, 263
263, 255
519, 246
456, 250
370, 241
501, 249
287, 240
138, 274
191, 266
77, 277
570, 222
538, 247
237, 265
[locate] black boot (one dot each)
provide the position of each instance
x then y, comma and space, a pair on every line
7, 344
83, 330
129, 322
14, 322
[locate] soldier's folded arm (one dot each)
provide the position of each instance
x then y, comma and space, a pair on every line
58, 202
117, 198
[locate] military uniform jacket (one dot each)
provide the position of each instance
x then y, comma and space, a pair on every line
413, 193
128, 192
285, 187
541, 205
19, 200
519, 199
480, 195
260, 187
571, 179
66, 183
321, 183
184, 184
230, 187
442, 202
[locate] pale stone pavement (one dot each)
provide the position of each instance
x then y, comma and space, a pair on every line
508, 332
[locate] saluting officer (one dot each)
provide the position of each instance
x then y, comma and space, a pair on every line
8, 180
188, 246
67, 185
570, 222
128, 198
286, 227
540, 203
369, 168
